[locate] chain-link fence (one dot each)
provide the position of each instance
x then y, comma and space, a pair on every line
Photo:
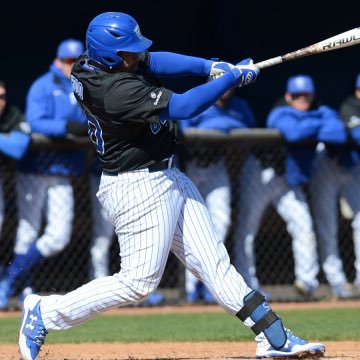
239, 151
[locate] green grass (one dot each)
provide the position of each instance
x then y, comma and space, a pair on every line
325, 324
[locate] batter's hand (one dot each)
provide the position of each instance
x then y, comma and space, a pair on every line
248, 72
219, 68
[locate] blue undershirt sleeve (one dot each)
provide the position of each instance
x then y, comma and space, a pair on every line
198, 99
172, 64
14, 144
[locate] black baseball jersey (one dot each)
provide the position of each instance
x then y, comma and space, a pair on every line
123, 115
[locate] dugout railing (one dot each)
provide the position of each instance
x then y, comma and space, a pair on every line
275, 265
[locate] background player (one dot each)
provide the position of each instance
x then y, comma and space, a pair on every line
338, 175
298, 117
44, 178
14, 136
154, 207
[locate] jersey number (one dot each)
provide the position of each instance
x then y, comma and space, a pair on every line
95, 133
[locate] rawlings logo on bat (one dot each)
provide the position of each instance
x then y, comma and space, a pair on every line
342, 41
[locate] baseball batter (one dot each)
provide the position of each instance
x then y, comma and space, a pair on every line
154, 207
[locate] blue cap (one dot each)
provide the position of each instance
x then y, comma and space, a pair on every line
300, 84
357, 84
70, 48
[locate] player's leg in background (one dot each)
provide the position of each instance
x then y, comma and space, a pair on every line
294, 209
59, 217
59, 214
102, 234
30, 197
324, 194
214, 185
144, 208
254, 197
350, 190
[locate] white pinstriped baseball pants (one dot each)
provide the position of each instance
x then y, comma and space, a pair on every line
153, 213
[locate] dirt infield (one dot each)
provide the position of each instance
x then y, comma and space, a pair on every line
184, 351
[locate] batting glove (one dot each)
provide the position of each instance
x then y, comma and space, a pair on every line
219, 68
248, 72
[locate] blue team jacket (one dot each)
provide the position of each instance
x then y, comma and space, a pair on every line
321, 124
50, 104
237, 114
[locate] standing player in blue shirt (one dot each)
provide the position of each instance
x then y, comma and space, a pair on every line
14, 137
303, 118
337, 176
44, 178
298, 117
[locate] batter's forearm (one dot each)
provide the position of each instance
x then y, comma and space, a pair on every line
196, 100
173, 64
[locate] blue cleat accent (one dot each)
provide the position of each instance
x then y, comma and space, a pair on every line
200, 295
207, 296
32, 332
155, 299
294, 347
196, 295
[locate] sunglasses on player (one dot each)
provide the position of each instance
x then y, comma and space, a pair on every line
298, 95
69, 61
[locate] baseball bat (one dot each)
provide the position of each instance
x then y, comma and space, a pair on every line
345, 39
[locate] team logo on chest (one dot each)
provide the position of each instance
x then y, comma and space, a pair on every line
155, 128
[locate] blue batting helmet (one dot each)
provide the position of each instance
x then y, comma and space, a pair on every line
111, 32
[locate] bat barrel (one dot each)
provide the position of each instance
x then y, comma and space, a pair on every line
348, 38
